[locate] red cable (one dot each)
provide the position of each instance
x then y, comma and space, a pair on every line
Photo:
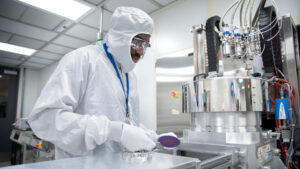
286, 89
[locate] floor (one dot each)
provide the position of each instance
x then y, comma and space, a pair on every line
5, 164
4, 159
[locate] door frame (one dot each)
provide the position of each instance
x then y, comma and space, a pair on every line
13, 73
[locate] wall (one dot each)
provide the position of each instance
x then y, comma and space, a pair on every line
45, 74
173, 25
145, 73
31, 91
34, 83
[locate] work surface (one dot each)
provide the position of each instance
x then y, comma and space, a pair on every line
112, 161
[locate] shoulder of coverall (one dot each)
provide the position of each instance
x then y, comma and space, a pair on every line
86, 53
84, 56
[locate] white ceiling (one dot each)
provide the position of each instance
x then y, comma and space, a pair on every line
26, 26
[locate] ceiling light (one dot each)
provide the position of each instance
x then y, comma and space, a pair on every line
67, 8
16, 49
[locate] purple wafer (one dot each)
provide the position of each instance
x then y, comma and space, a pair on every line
169, 141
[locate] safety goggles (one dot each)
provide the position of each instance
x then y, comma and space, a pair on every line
140, 44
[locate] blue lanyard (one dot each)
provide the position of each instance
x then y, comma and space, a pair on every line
119, 76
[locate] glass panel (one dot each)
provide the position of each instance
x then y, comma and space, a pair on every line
4, 84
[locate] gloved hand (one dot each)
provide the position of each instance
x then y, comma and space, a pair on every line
132, 138
152, 134
135, 138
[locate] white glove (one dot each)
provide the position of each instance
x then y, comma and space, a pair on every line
167, 134
132, 138
152, 134
135, 139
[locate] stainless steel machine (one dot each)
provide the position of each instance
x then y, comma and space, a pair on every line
243, 99
27, 147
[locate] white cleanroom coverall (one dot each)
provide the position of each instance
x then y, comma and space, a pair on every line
81, 109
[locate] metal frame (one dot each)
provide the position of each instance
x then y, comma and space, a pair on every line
290, 56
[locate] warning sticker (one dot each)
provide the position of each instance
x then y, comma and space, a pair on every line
282, 109
264, 153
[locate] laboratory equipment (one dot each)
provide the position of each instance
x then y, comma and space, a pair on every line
243, 75
28, 147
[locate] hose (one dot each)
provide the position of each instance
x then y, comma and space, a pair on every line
213, 43
250, 15
201, 74
245, 16
234, 12
272, 56
220, 25
241, 13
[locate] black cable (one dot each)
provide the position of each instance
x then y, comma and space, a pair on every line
201, 74
213, 42
271, 56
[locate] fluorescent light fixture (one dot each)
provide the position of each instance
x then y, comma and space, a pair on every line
67, 8
16, 49
189, 71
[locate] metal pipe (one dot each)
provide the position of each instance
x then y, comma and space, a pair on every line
23, 92
196, 50
199, 45
216, 161
100, 33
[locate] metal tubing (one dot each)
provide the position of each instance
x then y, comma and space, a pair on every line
100, 33
199, 45
216, 161
196, 50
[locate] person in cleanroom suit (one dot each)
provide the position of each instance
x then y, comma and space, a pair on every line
90, 103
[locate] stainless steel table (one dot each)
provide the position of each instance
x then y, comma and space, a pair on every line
114, 161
